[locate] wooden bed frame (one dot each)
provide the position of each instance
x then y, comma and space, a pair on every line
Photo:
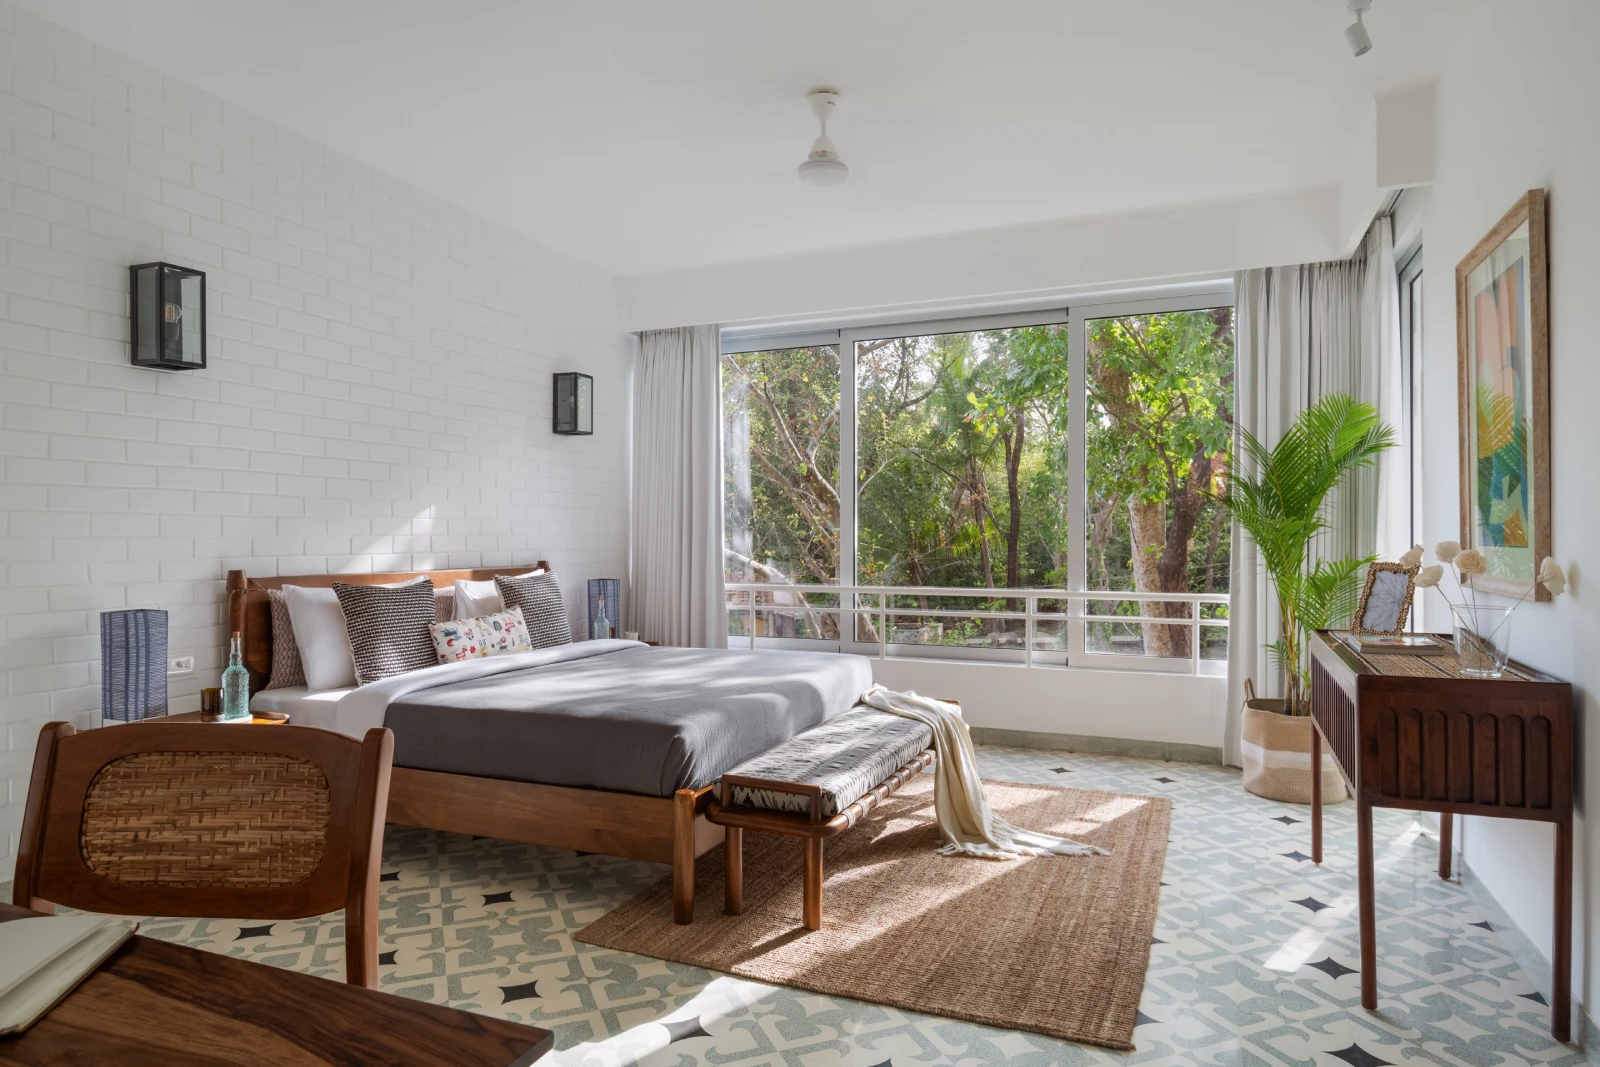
660, 829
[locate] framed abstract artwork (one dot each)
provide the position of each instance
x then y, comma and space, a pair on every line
1503, 374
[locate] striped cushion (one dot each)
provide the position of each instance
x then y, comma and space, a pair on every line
388, 628
846, 756
539, 597
287, 669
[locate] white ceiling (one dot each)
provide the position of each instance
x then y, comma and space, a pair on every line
649, 136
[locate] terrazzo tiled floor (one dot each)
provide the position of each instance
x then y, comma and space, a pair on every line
1254, 961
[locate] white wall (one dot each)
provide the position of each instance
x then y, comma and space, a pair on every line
377, 396
1045, 259
1516, 110
1163, 708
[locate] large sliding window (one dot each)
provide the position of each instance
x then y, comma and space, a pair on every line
1018, 488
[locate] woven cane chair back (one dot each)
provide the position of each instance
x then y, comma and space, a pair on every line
189, 819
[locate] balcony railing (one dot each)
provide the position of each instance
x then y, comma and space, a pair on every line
1033, 628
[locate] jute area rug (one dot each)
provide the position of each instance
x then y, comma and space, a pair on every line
1056, 945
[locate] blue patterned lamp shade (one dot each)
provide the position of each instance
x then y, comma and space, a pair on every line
611, 589
133, 664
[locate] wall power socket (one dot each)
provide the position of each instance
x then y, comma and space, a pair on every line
180, 665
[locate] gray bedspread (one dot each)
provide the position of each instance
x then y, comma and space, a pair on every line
639, 720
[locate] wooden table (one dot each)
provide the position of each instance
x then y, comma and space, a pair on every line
194, 716
154, 1002
1409, 731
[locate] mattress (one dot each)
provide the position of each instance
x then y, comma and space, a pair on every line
306, 707
637, 720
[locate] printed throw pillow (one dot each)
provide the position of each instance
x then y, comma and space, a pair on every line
388, 628
287, 670
484, 635
539, 597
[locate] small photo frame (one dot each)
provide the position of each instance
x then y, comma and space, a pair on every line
1385, 600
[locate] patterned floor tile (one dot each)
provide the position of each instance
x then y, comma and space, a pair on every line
1254, 960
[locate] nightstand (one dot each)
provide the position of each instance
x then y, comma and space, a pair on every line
263, 718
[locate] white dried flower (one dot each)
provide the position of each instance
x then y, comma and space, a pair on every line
1428, 577
1552, 577
1472, 561
1447, 550
1412, 558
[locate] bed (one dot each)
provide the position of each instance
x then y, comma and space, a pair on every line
599, 746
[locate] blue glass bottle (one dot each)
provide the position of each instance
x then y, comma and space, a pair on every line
602, 626
235, 686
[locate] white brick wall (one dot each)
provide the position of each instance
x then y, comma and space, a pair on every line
378, 395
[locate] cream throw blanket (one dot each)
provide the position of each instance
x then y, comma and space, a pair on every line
970, 826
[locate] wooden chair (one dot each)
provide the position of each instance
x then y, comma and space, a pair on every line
185, 819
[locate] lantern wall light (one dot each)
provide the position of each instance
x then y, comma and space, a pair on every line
167, 309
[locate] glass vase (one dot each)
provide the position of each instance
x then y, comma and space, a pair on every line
1483, 639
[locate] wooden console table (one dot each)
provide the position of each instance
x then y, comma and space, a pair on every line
1409, 731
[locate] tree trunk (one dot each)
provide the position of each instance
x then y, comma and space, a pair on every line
1014, 442
1147, 523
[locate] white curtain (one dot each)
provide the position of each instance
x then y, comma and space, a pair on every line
1304, 332
676, 528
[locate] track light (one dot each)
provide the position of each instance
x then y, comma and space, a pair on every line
1356, 32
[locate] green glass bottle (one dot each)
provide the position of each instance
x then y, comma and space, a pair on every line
235, 686
602, 626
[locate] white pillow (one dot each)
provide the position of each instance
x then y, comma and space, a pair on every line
476, 599
320, 634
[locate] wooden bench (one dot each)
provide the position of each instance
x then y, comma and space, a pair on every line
815, 786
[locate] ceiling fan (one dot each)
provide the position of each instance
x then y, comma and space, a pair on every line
823, 166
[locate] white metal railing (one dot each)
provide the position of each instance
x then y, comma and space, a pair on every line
1075, 618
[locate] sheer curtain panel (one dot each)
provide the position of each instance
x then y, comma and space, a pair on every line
1304, 332
676, 532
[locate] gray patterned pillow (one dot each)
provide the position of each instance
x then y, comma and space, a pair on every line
388, 628
287, 670
444, 605
539, 597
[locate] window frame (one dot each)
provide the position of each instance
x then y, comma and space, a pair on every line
1074, 317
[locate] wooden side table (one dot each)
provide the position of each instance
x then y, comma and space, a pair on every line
271, 718
1408, 731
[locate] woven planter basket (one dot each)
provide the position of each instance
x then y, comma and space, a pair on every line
1276, 751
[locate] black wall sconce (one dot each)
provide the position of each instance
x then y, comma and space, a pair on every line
167, 305
573, 403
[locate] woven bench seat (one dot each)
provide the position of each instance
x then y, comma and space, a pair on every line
843, 758
817, 784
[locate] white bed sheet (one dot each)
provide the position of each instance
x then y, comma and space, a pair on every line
305, 707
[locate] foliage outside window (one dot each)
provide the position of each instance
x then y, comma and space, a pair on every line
781, 484
1159, 427
963, 480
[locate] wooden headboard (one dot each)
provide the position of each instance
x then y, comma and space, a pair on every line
250, 614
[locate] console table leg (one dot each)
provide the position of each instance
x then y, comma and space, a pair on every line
1447, 825
1366, 898
1561, 951
1316, 794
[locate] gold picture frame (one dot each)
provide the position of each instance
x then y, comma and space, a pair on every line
1503, 394
1393, 602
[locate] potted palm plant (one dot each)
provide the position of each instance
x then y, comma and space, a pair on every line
1282, 507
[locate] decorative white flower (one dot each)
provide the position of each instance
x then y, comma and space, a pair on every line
1552, 577
1412, 558
1428, 577
1471, 562
1447, 550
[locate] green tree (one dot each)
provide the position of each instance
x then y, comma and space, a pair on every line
1160, 421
